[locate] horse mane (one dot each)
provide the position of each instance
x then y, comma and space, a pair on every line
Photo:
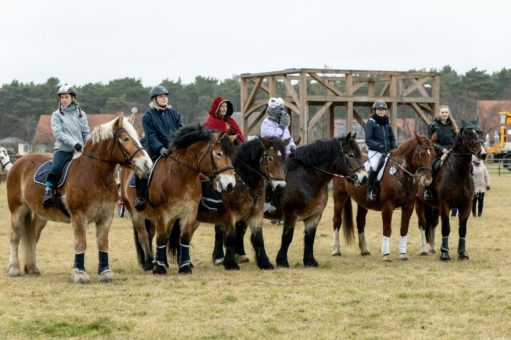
406, 147
188, 135
320, 151
105, 131
251, 151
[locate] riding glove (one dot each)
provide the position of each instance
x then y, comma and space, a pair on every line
164, 152
284, 119
78, 147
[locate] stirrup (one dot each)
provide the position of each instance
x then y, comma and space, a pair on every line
48, 199
371, 196
140, 203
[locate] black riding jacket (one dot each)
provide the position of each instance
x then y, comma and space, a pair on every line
445, 134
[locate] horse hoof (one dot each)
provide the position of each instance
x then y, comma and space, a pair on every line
423, 253
310, 263
445, 257
403, 257
231, 266
242, 258
282, 263
185, 269
148, 267
32, 270
13, 271
218, 261
106, 276
267, 266
386, 258
158, 269
432, 251
336, 253
80, 277
365, 253
463, 256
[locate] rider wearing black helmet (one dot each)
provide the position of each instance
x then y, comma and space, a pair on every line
380, 139
159, 122
71, 130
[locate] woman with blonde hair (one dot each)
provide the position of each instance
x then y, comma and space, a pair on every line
445, 129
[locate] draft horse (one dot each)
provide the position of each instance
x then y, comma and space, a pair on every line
309, 170
453, 187
406, 167
175, 191
5, 161
89, 195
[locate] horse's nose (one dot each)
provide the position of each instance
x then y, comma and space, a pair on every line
229, 187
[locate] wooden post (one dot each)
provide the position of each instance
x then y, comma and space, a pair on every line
304, 114
243, 101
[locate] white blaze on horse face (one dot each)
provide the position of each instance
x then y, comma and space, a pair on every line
424, 180
225, 182
361, 176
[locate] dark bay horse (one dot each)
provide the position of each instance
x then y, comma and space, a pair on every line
453, 187
89, 194
309, 170
175, 192
407, 166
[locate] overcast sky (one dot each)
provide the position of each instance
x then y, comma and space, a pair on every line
82, 41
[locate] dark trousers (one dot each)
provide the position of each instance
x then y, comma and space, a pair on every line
478, 197
59, 159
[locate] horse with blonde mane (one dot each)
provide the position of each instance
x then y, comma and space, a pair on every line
88, 195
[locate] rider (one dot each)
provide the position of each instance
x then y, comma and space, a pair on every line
379, 139
159, 122
71, 130
446, 129
276, 125
219, 118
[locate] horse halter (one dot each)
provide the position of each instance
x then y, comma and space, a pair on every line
342, 154
216, 171
266, 175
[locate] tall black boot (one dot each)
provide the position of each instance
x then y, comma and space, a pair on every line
49, 192
141, 188
371, 193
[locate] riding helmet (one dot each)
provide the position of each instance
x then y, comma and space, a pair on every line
157, 90
380, 104
66, 89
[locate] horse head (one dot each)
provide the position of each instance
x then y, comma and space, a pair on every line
350, 159
423, 158
126, 149
219, 167
471, 137
273, 161
5, 162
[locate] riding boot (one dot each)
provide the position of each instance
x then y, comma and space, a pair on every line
141, 188
371, 177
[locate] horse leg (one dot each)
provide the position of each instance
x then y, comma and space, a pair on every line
386, 214
339, 200
218, 250
287, 238
361, 223
19, 220
420, 212
36, 226
311, 225
143, 232
463, 218
241, 255
184, 263
257, 240
230, 243
162, 224
79, 222
406, 214
446, 230
102, 229
434, 218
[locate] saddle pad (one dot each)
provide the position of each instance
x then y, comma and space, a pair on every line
132, 178
43, 170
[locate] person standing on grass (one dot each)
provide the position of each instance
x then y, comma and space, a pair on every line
481, 184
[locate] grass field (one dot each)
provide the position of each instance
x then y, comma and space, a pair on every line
346, 297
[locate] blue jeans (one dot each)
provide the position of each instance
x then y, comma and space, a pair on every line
59, 159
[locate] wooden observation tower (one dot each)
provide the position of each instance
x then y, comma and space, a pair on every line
311, 96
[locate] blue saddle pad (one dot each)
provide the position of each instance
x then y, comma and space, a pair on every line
131, 182
43, 170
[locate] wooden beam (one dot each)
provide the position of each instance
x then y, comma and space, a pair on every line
291, 90
331, 125
319, 114
386, 87
243, 100
329, 86
421, 114
304, 110
259, 117
255, 106
417, 85
349, 117
253, 94
359, 118
366, 99
263, 87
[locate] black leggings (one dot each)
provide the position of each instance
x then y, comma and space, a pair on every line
478, 197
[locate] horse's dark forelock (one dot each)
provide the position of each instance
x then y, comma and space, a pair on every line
251, 152
321, 151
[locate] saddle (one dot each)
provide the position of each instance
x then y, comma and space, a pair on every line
42, 173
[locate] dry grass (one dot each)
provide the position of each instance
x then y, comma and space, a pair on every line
347, 297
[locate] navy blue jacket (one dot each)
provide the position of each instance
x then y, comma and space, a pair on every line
445, 135
159, 126
379, 137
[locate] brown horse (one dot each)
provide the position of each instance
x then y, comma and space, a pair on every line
175, 191
453, 187
89, 195
398, 187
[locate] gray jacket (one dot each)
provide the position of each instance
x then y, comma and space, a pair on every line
68, 129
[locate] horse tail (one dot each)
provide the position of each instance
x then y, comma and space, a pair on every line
347, 221
28, 233
173, 242
431, 215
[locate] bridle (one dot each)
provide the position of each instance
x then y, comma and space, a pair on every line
216, 171
266, 175
128, 157
464, 142
420, 169
352, 176
4, 164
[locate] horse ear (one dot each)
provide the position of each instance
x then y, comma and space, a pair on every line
119, 121
418, 138
265, 142
232, 138
463, 122
348, 136
354, 136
